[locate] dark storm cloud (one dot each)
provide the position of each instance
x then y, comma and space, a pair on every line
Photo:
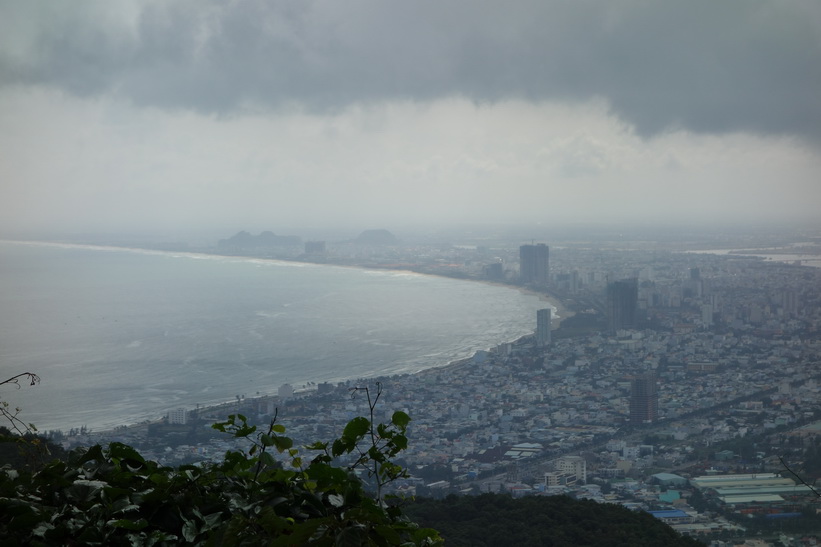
701, 65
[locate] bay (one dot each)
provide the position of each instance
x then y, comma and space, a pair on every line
119, 336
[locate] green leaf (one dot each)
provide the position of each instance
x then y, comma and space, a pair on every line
267, 459
401, 442
339, 447
283, 443
158, 478
390, 535
41, 529
423, 534
189, 531
400, 419
278, 428
336, 500
375, 454
356, 428
95, 453
326, 474
122, 451
211, 521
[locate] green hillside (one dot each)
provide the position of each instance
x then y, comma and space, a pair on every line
496, 520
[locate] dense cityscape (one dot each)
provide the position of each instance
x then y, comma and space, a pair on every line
590, 272
682, 383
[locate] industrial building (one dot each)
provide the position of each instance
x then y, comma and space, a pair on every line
753, 493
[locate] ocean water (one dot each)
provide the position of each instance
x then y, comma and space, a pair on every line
120, 336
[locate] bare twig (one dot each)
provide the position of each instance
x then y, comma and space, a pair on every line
18, 425
33, 379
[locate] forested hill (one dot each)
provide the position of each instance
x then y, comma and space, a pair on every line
496, 520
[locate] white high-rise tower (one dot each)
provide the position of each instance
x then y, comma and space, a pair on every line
543, 319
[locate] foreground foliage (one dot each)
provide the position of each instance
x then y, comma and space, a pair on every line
496, 520
113, 496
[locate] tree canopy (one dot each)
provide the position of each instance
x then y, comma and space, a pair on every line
498, 520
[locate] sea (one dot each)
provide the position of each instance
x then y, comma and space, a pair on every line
119, 336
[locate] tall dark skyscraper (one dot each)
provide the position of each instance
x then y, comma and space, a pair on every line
644, 400
622, 305
534, 264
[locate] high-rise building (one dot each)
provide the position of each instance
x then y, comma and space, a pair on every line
789, 300
543, 318
534, 264
622, 305
644, 399
707, 315
178, 416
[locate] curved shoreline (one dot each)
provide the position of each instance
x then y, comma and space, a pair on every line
454, 362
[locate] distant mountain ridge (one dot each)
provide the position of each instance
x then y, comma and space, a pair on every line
245, 240
376, 237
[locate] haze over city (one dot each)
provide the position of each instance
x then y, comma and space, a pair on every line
180, 117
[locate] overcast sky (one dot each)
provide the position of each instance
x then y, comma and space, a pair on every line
206, 115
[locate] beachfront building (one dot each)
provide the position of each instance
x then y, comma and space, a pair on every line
178, 416
534, 262
543, 319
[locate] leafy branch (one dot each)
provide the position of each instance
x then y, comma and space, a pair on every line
386, 441
113, 496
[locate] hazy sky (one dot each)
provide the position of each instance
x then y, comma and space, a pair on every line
194, 114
